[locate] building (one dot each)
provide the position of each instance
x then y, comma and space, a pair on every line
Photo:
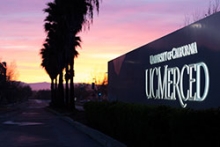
2, 71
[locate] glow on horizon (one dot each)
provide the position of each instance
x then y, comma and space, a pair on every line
116, 30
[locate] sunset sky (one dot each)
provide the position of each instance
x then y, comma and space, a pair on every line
120, 27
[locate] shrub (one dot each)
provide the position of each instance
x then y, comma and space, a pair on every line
150, 126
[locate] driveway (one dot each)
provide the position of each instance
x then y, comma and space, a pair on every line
33, 126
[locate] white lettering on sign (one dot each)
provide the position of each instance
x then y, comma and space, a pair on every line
175, 53
174, 83
170, 85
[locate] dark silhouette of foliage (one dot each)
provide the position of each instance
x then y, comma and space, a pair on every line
64, 21
212, 8
42, 94
11, 91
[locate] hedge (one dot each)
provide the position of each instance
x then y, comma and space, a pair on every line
139, 125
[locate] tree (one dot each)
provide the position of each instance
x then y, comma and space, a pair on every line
69, 67
55, 62
213, 7
78, 13
64, 21
50, 64
8, 72
12, 73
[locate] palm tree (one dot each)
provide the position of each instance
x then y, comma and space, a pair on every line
55, 42
49, 63
64, 21
78, 13
68, 75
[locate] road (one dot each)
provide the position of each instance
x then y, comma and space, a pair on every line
33, 126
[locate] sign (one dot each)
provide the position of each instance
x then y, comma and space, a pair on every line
181, 69
168, 88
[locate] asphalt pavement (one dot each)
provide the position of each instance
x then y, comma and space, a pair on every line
33, 126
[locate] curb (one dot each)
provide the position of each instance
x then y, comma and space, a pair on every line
103, 139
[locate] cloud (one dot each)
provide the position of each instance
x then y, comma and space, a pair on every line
120, 27
13, 7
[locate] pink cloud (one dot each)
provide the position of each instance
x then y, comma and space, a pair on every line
11, 7
118, 28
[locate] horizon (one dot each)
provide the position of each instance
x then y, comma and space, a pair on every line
45, 85
116, 30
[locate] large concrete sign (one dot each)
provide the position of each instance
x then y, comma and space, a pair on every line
181, 69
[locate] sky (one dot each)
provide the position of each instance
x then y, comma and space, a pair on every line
118, 28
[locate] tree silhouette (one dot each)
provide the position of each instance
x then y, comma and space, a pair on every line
212, 8
50, 63
12, 91
64, 21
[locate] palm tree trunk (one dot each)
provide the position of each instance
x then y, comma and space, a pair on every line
52, 92
67, 101
61, 91
72, 95
55, 84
